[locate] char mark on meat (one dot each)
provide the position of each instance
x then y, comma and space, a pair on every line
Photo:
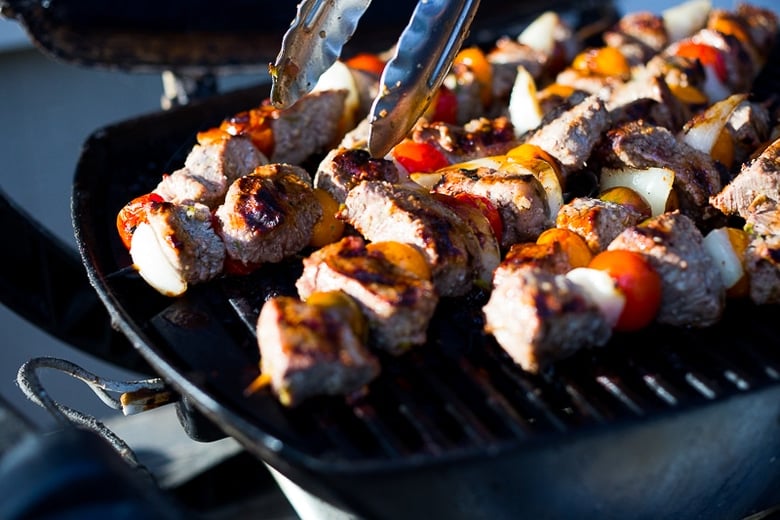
519, 198
639, 36
210, 167
549, 257
268, 215
597, 221
762, 256
310, 350
312, 126
648, 97
343, 168
571, 136
187, 239
638, 144
396, 303
381, 211
478, 138
693, 294
539, 317
757, 182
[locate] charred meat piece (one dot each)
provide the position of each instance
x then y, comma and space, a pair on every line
693, 294
639, 36
549, 257
381, 211
177, 246
758, 181
478, 138
268, 215
309, 350
313, 125
397, 304
571, 136
597, 221
749, 125
520, 199
505, 57
343, 168
762, 256
211, 166
648, 97
640, 145
538, 317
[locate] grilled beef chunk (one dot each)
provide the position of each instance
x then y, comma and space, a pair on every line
639, 36
505, 57
381, 211
310, 127
478, 138
762, 256
692, 291
309, 350
210, 167
550, 257
758, 181
268, 215
761, 23
749, 125
640, 145
648, 97
397, 304
343, 168
187, 240
520, 199
571, 136
597, 221
538, 317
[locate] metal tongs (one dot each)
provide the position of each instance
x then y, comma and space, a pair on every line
422, 58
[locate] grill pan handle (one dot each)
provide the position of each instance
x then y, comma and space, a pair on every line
44, 282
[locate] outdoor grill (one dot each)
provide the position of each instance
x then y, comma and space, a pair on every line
666, 423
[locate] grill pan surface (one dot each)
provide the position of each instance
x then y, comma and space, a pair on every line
664, 423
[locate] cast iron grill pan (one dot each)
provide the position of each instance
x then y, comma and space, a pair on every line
455, 416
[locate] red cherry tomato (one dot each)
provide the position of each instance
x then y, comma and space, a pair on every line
488, 209
445, 106
419, 157
133, 214
708, 55
639, 282
367, 62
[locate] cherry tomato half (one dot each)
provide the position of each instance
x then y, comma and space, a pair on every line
487, 208
132, 214
367, 62
445, 106
639, 282
708, 55
419, 157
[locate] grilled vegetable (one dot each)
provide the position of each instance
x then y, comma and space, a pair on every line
639, 283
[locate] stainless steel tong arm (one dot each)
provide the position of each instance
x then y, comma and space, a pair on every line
422, 59
311, 45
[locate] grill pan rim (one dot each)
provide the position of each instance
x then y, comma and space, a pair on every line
83, 198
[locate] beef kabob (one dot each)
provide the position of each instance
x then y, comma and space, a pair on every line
179, 244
